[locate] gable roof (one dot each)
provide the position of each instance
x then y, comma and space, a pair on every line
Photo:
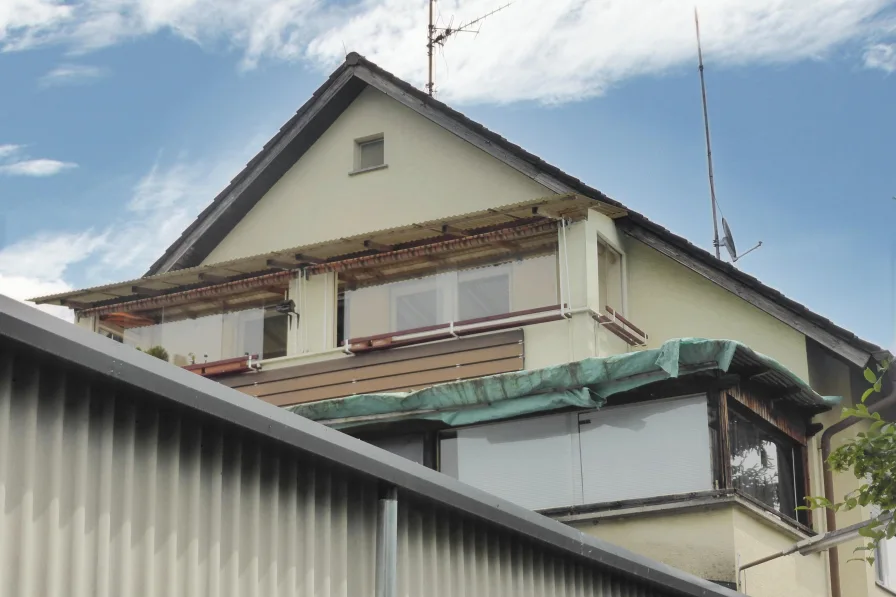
355, 74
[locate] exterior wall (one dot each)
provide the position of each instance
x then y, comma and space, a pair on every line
830, 376
709, 543
431, 174
699, 542
793, 575
667, 301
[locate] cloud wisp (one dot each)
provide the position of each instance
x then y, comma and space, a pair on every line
36, 168
882, 57
72, 74
543, 51
13, 162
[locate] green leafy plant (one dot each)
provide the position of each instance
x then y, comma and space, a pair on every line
871, 456
157, 352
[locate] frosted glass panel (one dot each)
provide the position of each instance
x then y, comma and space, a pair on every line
452, 296
531, 462
645, 450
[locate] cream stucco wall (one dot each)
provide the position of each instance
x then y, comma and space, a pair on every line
667, 301
793, 575
710, 542
431, 174
699, 542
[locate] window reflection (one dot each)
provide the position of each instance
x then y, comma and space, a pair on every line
763, 464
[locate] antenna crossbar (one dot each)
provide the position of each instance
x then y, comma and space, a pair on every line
437, 36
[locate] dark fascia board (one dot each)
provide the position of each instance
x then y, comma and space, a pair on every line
343, 87
89, 352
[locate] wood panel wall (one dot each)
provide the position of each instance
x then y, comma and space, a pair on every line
399, 369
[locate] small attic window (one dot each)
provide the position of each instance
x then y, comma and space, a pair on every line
370, 153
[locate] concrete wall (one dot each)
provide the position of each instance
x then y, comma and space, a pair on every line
667, 300
699, 542
431, 174
793, 575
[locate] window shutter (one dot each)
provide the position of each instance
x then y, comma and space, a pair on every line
531, 462
645, 450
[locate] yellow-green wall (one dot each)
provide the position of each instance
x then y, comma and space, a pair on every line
710, 542
699, 542
667, 301
793, 575
431, 174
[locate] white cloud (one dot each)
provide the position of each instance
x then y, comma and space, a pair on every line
546, 51
9, 149
881, 56
72, 74
36, 266
162, 204
36, 168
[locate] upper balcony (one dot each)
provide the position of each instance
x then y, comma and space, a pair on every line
541, 266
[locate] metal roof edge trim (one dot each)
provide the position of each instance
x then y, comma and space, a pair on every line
80, 347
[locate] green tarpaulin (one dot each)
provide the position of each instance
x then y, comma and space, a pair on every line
584, 384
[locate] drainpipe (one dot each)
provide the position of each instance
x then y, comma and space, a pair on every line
829, 433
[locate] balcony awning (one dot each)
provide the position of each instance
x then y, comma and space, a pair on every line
409, 251
582, 384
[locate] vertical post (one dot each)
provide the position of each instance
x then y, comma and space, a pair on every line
387, 545
725, 441
430, 34
712, 186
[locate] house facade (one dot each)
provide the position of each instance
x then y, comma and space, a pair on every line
546, 343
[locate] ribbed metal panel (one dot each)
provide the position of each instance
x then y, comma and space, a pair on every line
443, 554
108, 492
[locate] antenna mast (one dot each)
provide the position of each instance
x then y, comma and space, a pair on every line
437, 36
712, 186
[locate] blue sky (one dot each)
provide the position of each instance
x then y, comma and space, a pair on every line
120, 120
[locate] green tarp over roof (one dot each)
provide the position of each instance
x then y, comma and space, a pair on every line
582, 384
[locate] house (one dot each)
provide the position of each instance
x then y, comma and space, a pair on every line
550, 345
123, 476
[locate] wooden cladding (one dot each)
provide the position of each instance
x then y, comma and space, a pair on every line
766, 410
401, 369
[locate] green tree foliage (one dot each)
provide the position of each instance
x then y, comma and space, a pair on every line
871, 456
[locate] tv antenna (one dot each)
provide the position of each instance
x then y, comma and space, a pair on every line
728, 239
437, 36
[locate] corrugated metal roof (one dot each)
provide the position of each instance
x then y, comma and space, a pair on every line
570, 206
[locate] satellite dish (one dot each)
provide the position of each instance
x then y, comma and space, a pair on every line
728, 240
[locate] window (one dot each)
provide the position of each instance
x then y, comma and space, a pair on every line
370, 153
636, 451
765, 464
417, 304
406, 446
885, 560
451, 296
609, 277
483, 293
276, 331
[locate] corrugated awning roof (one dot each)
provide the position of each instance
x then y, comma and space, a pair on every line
322, 255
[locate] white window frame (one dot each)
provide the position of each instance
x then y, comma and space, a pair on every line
359, 144
624, 275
